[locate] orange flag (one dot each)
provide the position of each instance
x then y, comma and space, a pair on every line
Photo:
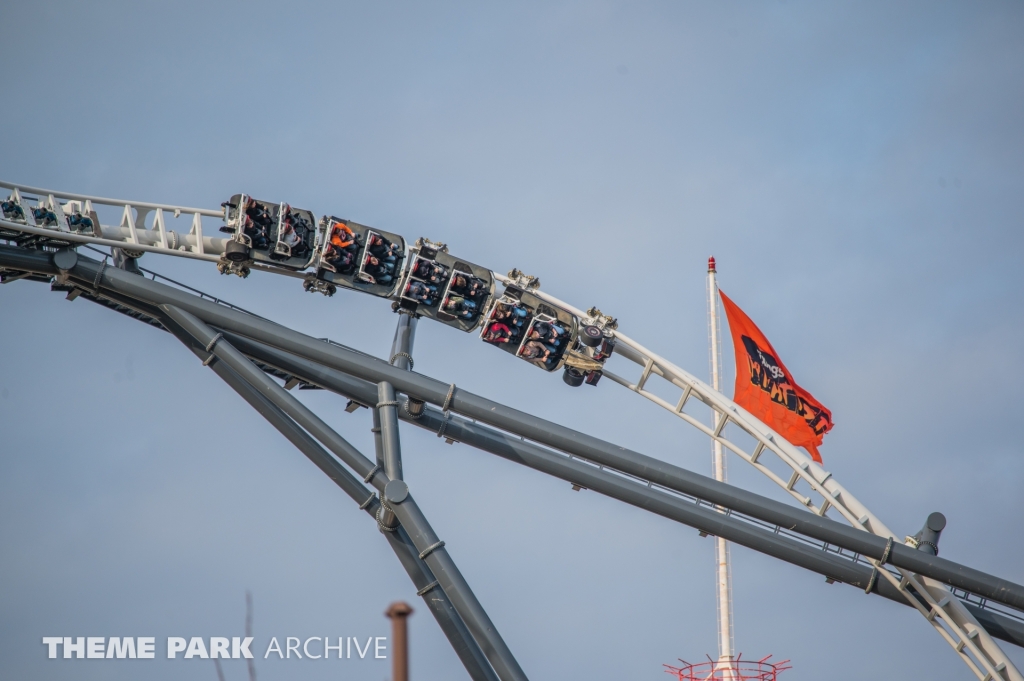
766, 389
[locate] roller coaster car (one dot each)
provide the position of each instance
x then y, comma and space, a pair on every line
525, 325
357, 257
275, 234
443, 288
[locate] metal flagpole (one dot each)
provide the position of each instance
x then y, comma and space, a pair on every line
723, 570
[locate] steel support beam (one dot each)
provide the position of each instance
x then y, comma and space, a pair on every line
387, 410
405, 337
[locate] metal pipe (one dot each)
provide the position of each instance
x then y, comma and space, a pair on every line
928, 537
405, 337
399, 613
387, 410
394, 494
451, 623
1000, 626
432, 551
387, 516
357, 364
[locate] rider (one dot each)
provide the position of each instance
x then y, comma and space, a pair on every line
468, 285
341, 249
533, 350
379, 272
257, 223
12, 210
430, 271
383, 249
497, 333
458, 306
45, 216
79, 222
420, 292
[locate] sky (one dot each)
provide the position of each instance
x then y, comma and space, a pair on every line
857, 169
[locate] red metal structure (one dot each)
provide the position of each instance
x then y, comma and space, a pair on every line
733, 670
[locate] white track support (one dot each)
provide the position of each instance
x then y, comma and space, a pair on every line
933, 600
197, 234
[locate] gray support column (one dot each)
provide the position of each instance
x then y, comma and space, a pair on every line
378, 441
387, 410
395, 494
387, 516
432, 551
455, 630
928, 538
405, 337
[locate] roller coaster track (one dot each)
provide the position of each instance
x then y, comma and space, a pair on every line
813, 487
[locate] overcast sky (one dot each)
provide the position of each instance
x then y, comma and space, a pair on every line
856, 168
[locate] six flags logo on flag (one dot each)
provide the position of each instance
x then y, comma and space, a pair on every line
766, 389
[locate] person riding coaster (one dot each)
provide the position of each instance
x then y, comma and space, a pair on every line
12, 210
538, 352
430, 272
80, 223
44, 216
498, 333
468, 285
457, 306
342, 249
294, 229
547, 333
513, 315
257, 224
421, 292
382, 249
376, 271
